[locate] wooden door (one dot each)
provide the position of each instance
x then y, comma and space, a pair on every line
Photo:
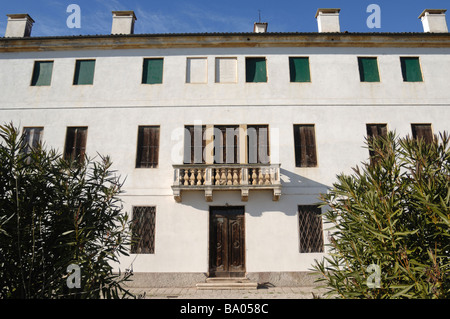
227, 242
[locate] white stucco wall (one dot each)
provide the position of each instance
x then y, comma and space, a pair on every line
335, 101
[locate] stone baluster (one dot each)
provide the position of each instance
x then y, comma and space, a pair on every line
229, 176
235, 177
217, 177
223, 177
260, 177
192, 177
200, 176
186, 177
254, 176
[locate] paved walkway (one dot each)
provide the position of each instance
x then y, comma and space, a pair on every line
260, 293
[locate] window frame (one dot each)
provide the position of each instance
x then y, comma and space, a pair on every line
216, 60
188, 68
290, 61
258, 145
248, 58
297, 161
307, 247
134, 247
427, 139
143, 70
362, 76
34, 70
76, 78
75, 157
138, 147
404, 69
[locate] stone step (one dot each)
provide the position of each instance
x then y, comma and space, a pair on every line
218, 283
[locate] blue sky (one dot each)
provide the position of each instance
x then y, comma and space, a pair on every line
179, 16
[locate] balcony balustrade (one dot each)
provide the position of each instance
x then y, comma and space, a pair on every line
215, 177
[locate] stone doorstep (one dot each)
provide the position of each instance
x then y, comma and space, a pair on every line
227, 283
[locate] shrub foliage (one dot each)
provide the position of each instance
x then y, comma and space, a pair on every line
54, 213
390, 223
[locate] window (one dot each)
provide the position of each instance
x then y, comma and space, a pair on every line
143, 230
411, 69
42, 73
84, 72
310, 229
255, 70
258, 144
196, 70
148, 147
375, 130
33, 137
305, 146
75, 148
299, 69
226, 144
194, 144
152, 72
226, 70
422, 131
368, 69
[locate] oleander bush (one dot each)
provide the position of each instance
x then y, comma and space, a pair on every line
389, 234
55, 213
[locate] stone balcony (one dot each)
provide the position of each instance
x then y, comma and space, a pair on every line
223, 177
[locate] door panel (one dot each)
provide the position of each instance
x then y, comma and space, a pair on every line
227, 242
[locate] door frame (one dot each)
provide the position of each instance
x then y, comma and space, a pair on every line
223, 210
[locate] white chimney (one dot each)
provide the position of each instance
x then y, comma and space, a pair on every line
18, 26
328, 20
123, 22
433, 20
260, 27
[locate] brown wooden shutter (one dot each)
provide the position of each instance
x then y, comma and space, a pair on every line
76, 138
229, 136
258, 144
148, 147
422, 131
375, 130
305, 146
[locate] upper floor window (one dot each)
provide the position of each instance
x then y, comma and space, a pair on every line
411, 70
258, 144
32, 137
305, 145
42, 73
368, 69
255, 70
84, 72
152, 72
196, 70
299, 69
75, 148
373, 131
194, 144
422, 131
147, 147
226, 70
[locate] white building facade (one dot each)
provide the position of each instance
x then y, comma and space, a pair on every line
226, 140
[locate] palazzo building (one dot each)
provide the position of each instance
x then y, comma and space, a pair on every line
226, 140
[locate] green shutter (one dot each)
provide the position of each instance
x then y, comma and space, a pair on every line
368, 70
411, 69
153, 71
42, 73
299, 69
84, 72
256, 70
